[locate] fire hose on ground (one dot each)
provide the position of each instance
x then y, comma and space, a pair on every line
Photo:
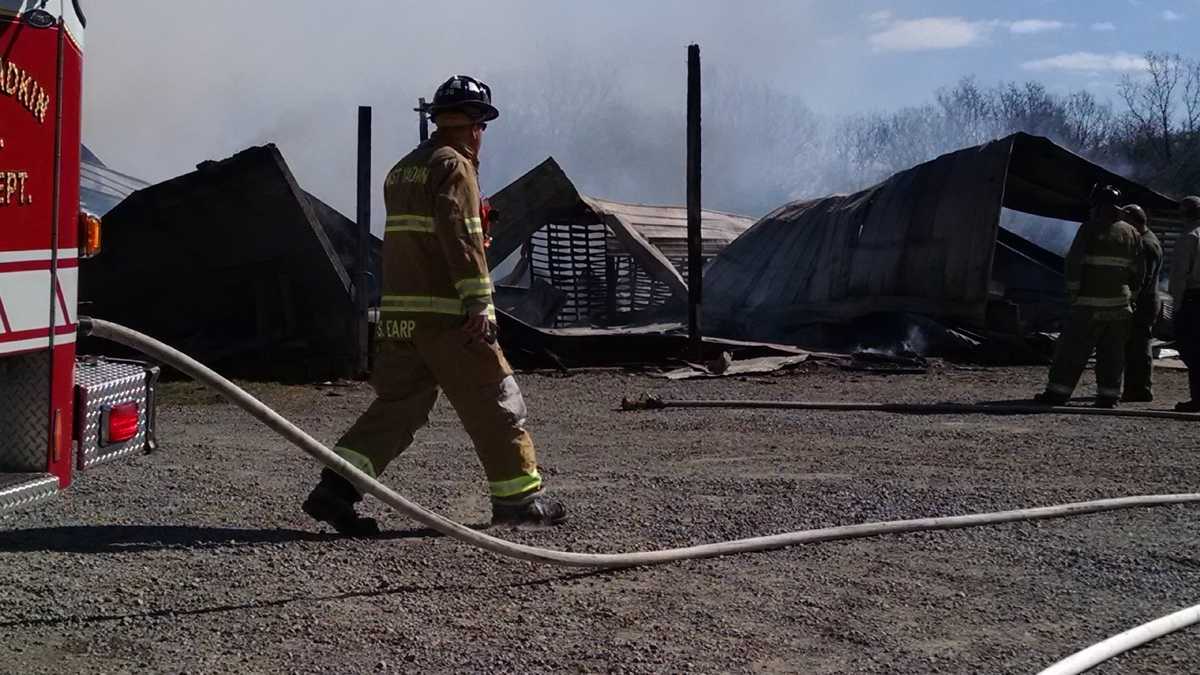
1089, 658
367, 485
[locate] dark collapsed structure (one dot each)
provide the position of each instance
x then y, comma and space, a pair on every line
925, 242
237, 265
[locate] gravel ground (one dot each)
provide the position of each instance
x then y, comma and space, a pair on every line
198, 559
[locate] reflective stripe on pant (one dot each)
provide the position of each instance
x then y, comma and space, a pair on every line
1139, 360
1187, 339
479, 384
1082, 334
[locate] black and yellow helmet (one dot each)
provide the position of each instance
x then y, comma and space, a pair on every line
1134, 215
467, 95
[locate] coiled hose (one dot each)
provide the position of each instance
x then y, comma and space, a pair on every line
368, 485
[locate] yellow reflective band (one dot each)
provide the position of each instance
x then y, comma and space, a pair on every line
1083, 301
474, 225
421, 303
491, 313
1107, 261
474, 288
409, 223
516, 486
359, 460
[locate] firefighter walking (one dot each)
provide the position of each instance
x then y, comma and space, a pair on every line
1102, 278
1185, 294
1139, 355
437, 327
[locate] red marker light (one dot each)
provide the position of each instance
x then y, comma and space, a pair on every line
122, 423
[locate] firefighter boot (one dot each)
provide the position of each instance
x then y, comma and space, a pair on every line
532, 508
332, 501
1051, 399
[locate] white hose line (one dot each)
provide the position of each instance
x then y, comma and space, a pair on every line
1120, 643
367, 485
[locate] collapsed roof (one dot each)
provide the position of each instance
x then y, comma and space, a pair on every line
236, 264
568, 236
101, 188
921, 242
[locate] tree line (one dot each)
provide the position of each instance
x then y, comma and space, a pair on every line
764, 147
1150, 135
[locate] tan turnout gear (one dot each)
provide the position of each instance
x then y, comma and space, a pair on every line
435, 275
435, 270
1103, 275
1139, 354
1185, 291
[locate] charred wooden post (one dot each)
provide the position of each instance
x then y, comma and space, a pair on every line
362, 258
423, 115
695, 266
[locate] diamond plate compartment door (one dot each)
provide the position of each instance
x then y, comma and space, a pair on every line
24, 412
101, 384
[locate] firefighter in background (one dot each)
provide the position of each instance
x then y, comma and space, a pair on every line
1139, 357
1103, 276
1185, 294
437, 327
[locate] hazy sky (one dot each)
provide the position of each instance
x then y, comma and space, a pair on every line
170, 83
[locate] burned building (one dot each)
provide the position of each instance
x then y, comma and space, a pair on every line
925, 242
236, 265
576, 260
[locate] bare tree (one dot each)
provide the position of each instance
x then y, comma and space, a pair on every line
1089, 123
1151, 101
1191, 98
967, 111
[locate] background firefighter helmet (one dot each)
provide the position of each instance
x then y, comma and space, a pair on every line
1190, 206
464, 94
1104, 195
1134, 215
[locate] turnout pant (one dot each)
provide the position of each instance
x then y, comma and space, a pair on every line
1187, 339
1087, 331
479, 384
1139, 359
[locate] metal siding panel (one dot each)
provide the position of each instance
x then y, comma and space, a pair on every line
778, 257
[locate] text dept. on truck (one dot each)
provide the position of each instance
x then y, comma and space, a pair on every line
60, 414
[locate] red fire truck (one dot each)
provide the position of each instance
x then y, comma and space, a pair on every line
59, 414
